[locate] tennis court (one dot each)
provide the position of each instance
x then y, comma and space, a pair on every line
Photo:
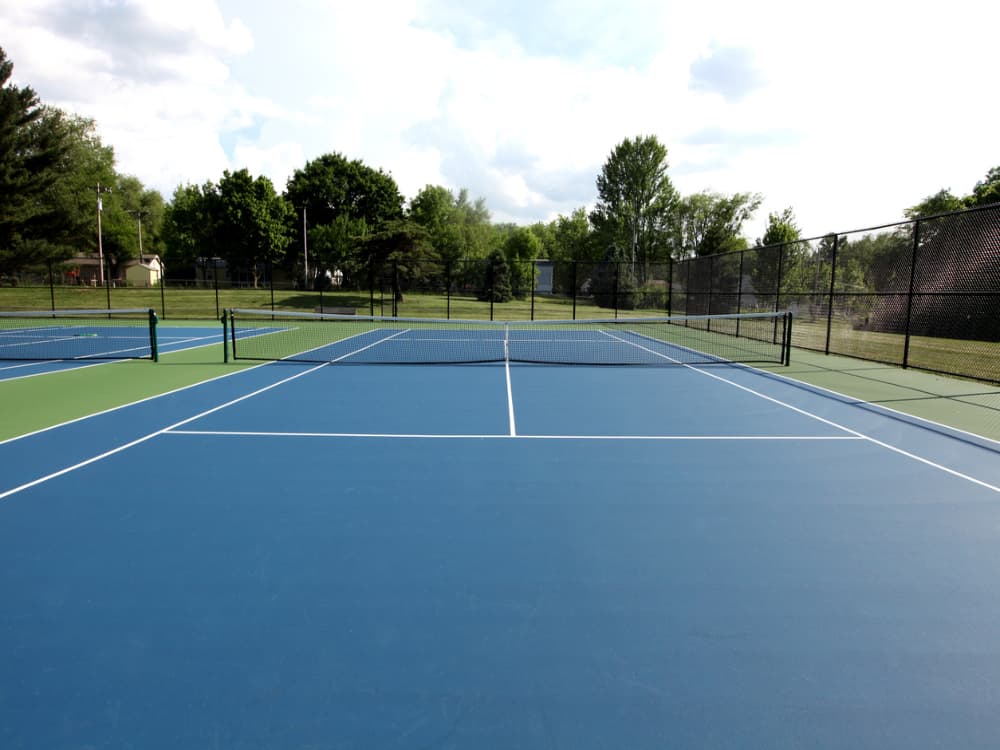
36, 343
505, 554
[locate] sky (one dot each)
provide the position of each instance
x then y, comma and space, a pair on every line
846, 112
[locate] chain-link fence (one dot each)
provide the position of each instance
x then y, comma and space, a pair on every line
922, 294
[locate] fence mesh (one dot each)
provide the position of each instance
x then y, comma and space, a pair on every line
922, 293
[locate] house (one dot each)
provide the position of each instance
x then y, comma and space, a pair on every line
144, 271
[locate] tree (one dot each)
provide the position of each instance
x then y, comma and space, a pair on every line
332, 187
189, 228
613, 283
986, 191
636, 201
710, 223
941, 202
31, 147
496, 286
521, 247
252, 224
399, 252
436, 210
778, 251
572, 241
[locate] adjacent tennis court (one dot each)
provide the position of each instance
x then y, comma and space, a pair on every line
304, 554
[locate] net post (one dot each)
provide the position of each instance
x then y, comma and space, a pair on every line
155, 353
788, 339
232, 332
225, 337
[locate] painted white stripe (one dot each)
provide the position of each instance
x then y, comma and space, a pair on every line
510, 399
805, 413
431, 436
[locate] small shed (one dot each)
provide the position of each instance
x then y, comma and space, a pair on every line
144, 271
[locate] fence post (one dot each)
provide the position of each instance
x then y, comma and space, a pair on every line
107, 279
371, 286
615, 292
574, 289
833, 281
163, 294
688, 262
532, 290
215, 284
777, 284
711, 282
52, 288
270, 281
739, 293
395, 288
909, 296
447, 290
670, 282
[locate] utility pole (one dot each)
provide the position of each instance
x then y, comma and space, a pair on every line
100, 245
305, 248
138, 215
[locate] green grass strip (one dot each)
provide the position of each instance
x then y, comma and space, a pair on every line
33, 403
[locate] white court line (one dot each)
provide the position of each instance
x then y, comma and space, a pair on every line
151, 435
805, 413
510, 392
431, 436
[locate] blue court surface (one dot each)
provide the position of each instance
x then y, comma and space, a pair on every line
494, 556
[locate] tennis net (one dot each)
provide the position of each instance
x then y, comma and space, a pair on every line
314, 337
78, 334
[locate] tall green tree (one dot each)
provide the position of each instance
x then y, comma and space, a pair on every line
986, 191
572, 240
71, 200
941, 202
709, 223
129, 203
252, 226
435, 208
636, 201
189, 230
31, 147
521, 247
778, 251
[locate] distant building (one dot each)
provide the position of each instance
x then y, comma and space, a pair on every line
543, 280
145, 271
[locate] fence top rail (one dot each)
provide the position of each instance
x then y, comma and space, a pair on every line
71, 313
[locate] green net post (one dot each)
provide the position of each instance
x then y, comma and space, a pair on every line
225, 337
152, 335
788, 340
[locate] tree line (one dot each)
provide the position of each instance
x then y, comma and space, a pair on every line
350, 216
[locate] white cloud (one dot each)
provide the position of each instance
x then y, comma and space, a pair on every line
847, 113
